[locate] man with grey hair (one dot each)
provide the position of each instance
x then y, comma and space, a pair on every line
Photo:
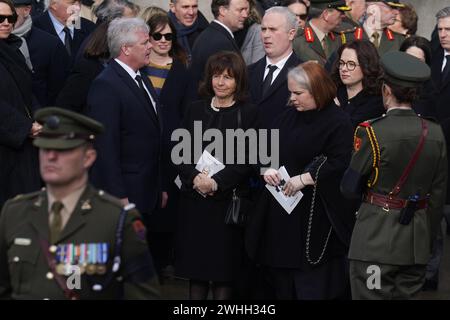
58, 20
126, 103
268, 76
317, 41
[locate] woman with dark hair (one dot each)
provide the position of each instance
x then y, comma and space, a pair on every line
303, 253
167, 71
207, 249
19, 171
357, 75
420, 48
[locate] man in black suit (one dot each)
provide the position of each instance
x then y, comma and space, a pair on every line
128, 164
59, 20
229, 16
268, 76
44, 53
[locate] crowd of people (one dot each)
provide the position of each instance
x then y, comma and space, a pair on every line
353, 106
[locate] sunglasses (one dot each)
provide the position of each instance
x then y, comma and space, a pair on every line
302, 16
158, 36
11, 18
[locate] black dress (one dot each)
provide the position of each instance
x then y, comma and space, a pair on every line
207, 248
276, 239
361, 107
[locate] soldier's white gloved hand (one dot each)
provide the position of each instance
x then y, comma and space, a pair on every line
294, 185
272, 177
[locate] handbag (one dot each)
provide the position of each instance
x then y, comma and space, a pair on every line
236, 214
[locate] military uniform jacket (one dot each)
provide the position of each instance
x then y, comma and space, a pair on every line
307, 45
378, 236
389, 40
24, 271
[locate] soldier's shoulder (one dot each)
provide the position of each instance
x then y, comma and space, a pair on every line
24, 198
114, 203
372, 122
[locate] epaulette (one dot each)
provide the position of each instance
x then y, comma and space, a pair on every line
429, 118
27, 196
369, 123
108, 198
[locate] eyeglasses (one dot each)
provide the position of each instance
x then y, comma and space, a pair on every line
158, 36
11, 18
302, 16
351, 65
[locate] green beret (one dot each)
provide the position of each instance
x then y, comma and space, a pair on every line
329, 4
392, 3
404, 70
64, 129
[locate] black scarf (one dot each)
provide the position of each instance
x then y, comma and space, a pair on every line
183, 32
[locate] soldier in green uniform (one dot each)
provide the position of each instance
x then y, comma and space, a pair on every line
379, 16
399, 167
317, 41
70, 241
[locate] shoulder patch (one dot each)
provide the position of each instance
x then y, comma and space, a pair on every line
139, 229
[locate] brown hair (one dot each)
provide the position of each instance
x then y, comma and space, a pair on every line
228, 61
409, 18
10, 5
313, 77
369, 62
403, 94
159, 21
97, 45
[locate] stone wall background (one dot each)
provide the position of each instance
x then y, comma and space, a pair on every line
426, 10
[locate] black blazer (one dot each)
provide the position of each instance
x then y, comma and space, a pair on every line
274, 102
73, 95
442, 92
44, 22
129, 150
50, 65
213, 39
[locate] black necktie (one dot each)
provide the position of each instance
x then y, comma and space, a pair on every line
141, 85
68, 40
268, 80
446, 70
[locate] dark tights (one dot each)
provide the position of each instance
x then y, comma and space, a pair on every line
198, 290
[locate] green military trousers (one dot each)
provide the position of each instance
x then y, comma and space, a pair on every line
375, 281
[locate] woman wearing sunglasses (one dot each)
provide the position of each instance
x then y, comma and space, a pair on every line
19, 171
300, 9
167, 72
357, 73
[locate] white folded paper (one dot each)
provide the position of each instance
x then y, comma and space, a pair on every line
288, 203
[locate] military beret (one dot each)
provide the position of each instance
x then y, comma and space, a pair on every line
404, 70
22, 2
64, 129
392, 3
330, 4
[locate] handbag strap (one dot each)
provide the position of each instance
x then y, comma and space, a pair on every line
239, 118
395, 191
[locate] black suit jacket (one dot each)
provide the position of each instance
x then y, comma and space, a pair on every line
275, 100
213, 39
442, 87
50, 65
128, 163
44, 22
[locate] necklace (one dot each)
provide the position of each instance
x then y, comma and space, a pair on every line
216, 107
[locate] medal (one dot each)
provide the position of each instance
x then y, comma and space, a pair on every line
60, 269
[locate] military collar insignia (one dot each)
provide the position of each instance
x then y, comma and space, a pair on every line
331, 36
86, 205
359, 33
389, 34
309, 35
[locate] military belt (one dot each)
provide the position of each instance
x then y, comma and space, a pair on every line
389, 202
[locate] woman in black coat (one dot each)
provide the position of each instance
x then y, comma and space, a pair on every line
207, 249
357, 76
303, 254
19, 167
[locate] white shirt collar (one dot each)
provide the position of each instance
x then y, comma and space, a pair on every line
319, 33
226, 28
280, 64
128, 69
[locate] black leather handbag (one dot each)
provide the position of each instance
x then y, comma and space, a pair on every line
236, 213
